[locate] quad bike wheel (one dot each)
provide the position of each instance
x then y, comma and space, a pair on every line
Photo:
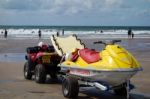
40, 73
53, 75
27, 71
70, 87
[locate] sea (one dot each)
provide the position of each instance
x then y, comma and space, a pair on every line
23, 32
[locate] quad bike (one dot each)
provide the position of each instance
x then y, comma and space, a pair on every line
41, 63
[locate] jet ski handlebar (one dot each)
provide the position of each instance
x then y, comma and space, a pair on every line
99, 42
115, 41
107, 42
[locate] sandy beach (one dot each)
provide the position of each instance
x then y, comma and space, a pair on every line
14, 86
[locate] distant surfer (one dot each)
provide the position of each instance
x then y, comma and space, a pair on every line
5, 33
40, 33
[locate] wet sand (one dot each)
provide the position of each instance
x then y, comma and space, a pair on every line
14, 86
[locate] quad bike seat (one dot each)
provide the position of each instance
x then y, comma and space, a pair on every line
37, 49
50, 48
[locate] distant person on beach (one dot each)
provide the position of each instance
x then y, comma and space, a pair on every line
101, 31
57, 34
132, 35
40, 33
129, 33
63, 32
5, 33
1, 33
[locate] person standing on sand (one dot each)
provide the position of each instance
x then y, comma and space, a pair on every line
1, 33
40, 34
57, 34
129, 33
63, 32
132, 35
5, 33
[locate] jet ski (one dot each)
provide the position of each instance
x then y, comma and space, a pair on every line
108, 69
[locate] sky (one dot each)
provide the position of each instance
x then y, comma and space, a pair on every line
75, 12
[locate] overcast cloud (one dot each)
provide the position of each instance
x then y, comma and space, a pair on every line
75, 12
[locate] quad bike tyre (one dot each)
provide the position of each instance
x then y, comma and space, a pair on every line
27, 71
53, 75
40, 73
70, 87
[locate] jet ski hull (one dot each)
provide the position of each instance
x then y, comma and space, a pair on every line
112, 78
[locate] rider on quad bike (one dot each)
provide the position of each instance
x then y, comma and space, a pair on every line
41, 60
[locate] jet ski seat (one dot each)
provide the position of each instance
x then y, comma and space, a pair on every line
88, 55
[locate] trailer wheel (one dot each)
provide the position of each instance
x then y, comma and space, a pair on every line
122, 91
27, 71
70, 87
40, 73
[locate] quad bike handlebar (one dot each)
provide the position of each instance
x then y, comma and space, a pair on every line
107, 42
